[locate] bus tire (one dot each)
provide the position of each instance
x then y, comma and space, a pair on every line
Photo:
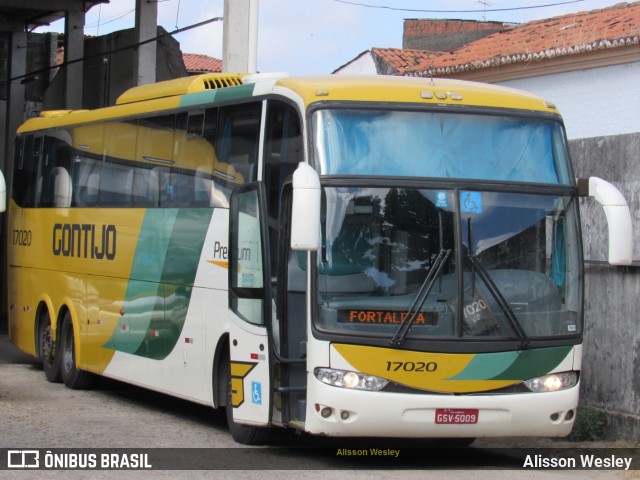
71, 376
242, 434
49, 349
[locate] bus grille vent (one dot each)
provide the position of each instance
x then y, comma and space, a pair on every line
214, 82
180, 86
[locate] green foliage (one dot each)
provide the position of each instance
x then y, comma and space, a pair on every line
589, 425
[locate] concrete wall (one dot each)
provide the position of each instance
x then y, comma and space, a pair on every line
111, 73
611, 363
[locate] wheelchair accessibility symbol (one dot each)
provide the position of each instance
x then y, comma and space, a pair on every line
471, 202
256, 393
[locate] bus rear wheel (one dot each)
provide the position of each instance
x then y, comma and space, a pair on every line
71, 376
48, 350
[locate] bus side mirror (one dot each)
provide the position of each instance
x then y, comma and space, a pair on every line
305, 211
3, 194
618, 218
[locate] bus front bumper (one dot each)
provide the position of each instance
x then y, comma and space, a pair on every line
342, 412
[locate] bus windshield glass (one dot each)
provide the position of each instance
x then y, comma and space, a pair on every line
512, 274
440, 145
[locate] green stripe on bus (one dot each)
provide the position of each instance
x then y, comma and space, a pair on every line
521, 365
534, 363
162, 276
486, 365
222, 95
144, 288
178, 275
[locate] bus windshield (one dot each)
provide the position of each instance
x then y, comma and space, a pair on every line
440, 145
513, 272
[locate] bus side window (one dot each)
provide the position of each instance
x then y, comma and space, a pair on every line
146, 187
238, 140
87, 182
176, 141
55, 187
217, 171
210, 127
203, 187
283, 151
178, 190
208, 193
25, 173
116, 185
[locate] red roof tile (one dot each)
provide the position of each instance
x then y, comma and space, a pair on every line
198, 63
406, 60
615, 26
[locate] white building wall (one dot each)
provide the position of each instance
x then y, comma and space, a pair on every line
363, 65
594, 102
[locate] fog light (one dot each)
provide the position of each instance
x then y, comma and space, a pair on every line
344, 415
569, 416
326, 412
554, 417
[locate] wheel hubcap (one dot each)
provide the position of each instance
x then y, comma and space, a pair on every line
67, 355
46, 344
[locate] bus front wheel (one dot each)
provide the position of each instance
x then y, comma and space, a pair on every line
48, 350
71, 376
243, 434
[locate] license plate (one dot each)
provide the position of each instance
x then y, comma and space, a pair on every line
456, 416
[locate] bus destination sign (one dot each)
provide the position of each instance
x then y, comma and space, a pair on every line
360, 316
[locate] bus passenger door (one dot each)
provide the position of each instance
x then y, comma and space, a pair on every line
249, 306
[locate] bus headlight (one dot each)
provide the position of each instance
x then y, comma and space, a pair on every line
552, 382
353, 380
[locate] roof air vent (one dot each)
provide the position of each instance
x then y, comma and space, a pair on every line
180, 86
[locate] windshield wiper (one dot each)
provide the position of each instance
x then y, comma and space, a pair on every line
501, 301
421, 297
495, 292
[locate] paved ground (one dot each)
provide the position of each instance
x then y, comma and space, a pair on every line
35, 414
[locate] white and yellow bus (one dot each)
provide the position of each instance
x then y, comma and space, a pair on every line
347, 256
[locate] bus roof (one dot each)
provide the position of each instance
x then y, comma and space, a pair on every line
211, 88
392, 89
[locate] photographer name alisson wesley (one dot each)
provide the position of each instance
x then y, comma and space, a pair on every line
581, 461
